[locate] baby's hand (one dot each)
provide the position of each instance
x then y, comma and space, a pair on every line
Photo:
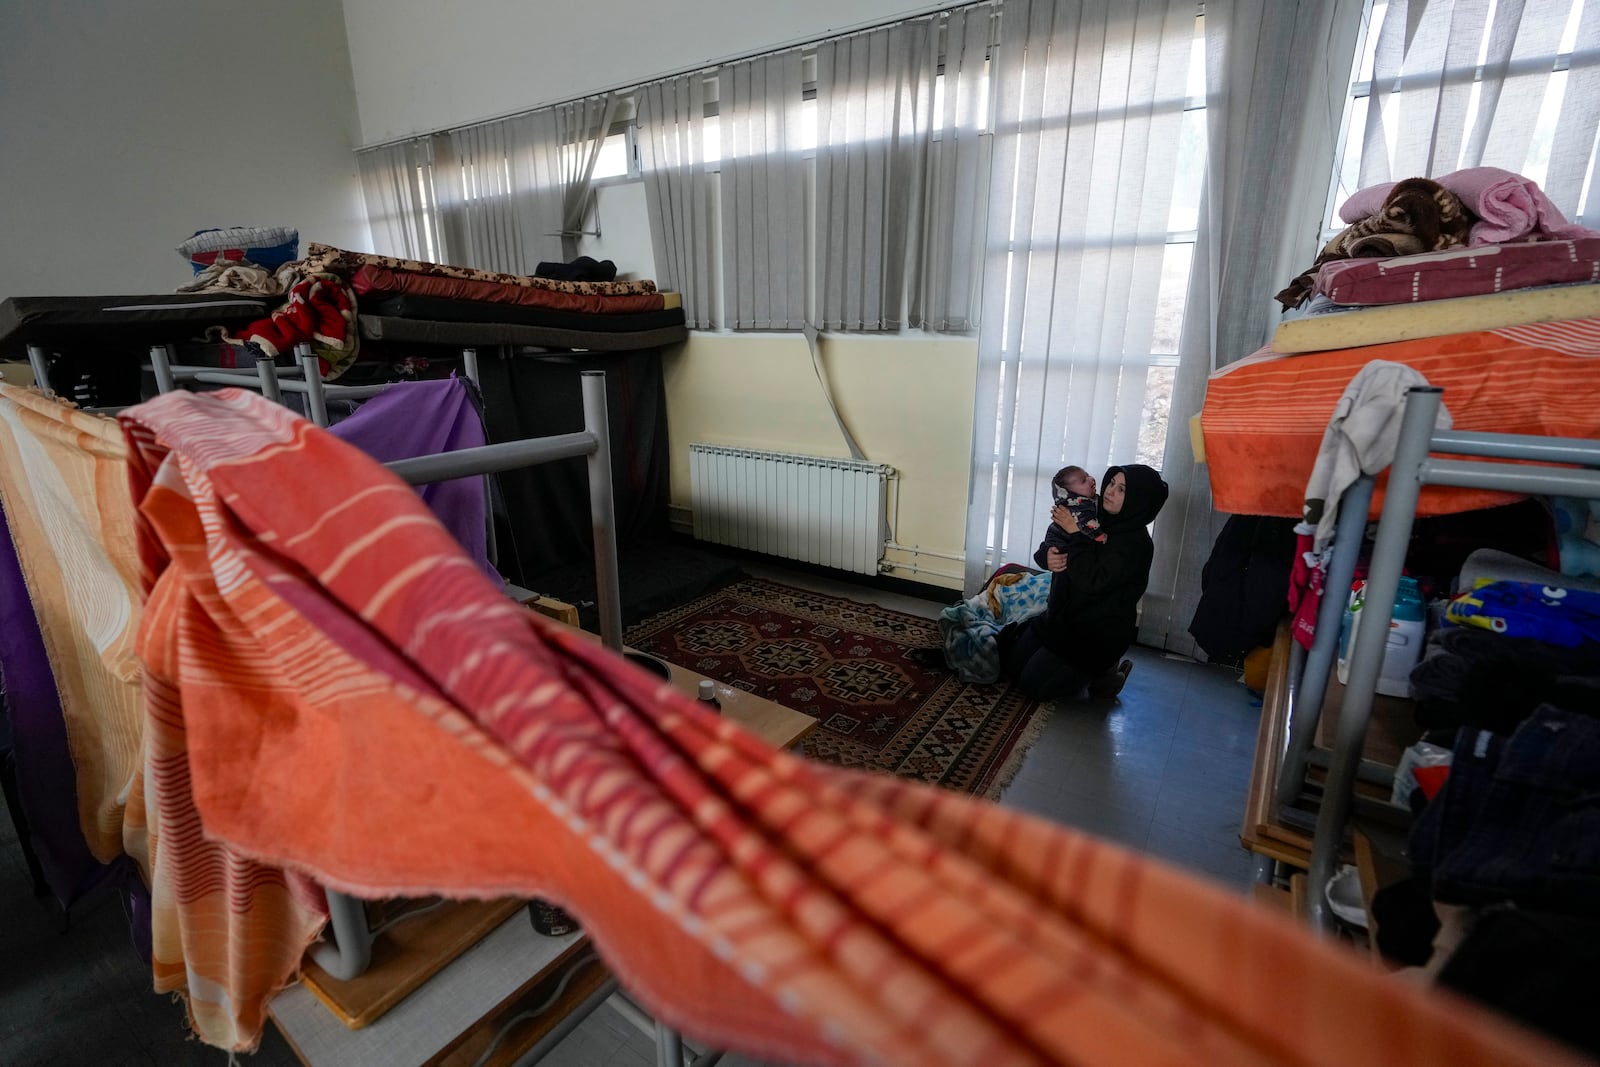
1062, 516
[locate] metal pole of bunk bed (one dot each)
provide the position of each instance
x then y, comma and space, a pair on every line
316, 400
491, 543
608, 595
669, 1047
593, 442
267, 372
568, 1023
1312, 687
161, 367
1367, 645
1413, 467
40, 362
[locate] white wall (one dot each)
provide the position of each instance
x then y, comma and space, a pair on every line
422, 65
125, 127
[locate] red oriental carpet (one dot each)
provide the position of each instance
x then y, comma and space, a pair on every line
846, 664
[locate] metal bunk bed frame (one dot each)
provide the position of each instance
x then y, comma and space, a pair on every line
1414, 466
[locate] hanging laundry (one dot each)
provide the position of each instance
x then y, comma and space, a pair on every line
1360, 439
412, 729
63, 477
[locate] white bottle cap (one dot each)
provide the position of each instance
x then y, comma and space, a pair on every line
708, 690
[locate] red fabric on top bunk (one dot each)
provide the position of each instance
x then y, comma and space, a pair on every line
1264, 416
372, 280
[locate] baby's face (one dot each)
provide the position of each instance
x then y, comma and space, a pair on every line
1080, 485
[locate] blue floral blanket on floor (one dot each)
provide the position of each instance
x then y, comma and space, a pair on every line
969, 627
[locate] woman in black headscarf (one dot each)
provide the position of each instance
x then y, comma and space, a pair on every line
1077, 643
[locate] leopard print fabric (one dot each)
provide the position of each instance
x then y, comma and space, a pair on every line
326, 258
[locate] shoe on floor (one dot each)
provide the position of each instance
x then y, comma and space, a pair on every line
1110, 683
931, 658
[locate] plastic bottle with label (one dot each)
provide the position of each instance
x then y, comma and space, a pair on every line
1404, 646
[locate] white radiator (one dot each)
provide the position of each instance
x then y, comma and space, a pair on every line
827, 511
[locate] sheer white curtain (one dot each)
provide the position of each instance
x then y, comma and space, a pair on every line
1089, 101
763, 188
680, 194
397, 187
1503, 83
1277, 75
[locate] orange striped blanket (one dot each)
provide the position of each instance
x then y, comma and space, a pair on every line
1264, 416
64, 480
359, 704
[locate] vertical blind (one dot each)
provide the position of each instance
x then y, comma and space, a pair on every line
1090, 98
763, 187
679, 194
1466, 83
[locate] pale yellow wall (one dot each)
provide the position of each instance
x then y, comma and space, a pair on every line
907, 399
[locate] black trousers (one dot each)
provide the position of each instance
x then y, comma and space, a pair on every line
1038, 672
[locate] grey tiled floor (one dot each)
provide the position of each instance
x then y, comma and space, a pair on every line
1162, 769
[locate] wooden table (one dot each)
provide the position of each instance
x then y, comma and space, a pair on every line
455, 1013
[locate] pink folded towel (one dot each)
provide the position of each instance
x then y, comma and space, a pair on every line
1509, 207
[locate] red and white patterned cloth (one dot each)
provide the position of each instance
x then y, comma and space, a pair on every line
1473, 271
355, 701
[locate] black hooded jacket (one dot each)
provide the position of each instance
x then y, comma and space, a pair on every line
1096, 618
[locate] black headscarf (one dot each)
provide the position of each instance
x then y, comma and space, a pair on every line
1146, 493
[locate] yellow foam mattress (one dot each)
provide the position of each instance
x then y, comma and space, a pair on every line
1436, 318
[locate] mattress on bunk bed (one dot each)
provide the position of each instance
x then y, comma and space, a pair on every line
438, 309
1264, 416
1435, 318
320, 257
1474, 271
162, 317
373, 281
430, 332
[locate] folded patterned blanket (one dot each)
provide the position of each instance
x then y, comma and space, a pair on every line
1418, 215
409, 730
1507, 207
321, 257
234, 276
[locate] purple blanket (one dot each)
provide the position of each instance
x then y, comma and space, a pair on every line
417, 419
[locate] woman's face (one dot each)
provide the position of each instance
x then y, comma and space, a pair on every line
1116, 491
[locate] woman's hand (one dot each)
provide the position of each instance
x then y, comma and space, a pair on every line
1056, 560
1062, 517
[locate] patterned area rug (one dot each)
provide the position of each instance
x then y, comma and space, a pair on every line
846, 664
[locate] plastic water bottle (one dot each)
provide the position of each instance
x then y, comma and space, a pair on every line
1403, 648
708, 695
